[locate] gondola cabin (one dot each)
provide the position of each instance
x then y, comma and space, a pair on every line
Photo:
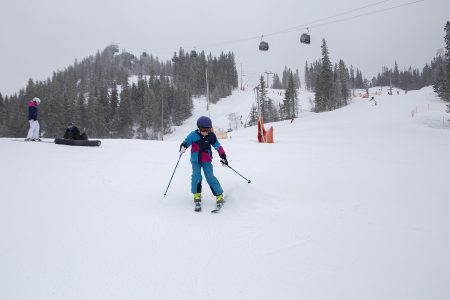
305, 38
263, 46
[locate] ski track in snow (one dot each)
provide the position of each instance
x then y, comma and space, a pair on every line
348, 204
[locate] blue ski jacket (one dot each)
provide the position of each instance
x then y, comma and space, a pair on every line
201, 146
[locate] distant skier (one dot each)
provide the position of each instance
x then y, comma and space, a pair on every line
374, 101
33, 132
201, 157
73, 133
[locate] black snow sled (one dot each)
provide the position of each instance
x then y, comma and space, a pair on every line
92, 143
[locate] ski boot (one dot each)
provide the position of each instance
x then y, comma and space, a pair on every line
197, 201
219, 201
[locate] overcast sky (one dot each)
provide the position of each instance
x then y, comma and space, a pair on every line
39, 37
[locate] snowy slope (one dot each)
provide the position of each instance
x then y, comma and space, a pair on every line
349, 204
239, 103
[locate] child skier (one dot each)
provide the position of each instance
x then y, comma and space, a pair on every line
33, 132
201, 157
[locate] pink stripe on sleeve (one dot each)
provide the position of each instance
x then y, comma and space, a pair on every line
221, 151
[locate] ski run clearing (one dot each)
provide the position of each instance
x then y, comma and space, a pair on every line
348, 204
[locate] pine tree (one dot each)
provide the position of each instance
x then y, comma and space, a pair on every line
290, 102
158, 103
439, 76
307, 77
3, 128
272, 113
285, 77
314, 72
54, 121
91, 113
359, 81
396, 76
427, 72
80, 116
352, 79
336, 96
138, 95
446, 81
345, 83
103, 113
124, 116
262, 98
253, 117
276, 82
324, 82
297, 82
114, 103
16, 110
182, 108
166, 96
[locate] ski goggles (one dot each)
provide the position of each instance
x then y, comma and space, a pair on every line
204, 129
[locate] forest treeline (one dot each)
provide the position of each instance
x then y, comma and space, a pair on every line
96, 94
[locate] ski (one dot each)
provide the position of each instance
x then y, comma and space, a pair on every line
16, 140
217, 209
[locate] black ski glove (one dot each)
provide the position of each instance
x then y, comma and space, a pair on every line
224, 160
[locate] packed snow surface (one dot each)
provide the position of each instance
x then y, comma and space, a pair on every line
348, 204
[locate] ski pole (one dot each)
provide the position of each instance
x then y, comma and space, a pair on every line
173, 174
235, 171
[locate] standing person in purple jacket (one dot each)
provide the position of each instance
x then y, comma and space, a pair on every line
33, 132
201, 141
